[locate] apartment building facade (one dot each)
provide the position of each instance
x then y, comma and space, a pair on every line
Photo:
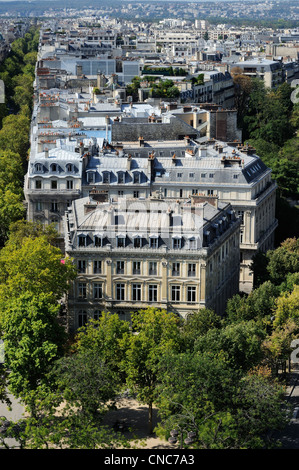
131, 254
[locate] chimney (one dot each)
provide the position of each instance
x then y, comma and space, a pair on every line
46, 152
81, 147
129, 161
141, 142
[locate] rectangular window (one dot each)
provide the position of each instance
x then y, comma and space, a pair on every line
82, 290
192, 243
81, 266
97, 267
137, 242
82, 240
120, 267
82, 319
90, 177
136, 267
38, 206
98, 290
153, 242
191, 294
191, 175
136, 291
152, 270
175, 269
54, 184
54, 206
191, 270
175, 293
241, 215
121, 178
179, 175
120, 292
136, 194
96, 315
136, 178
69, 184
106, 178
176, 243
38, 184
153, 293
121, 242
98, 241
120, 193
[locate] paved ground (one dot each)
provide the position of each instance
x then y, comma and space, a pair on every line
136, 415
289, 437
14, 415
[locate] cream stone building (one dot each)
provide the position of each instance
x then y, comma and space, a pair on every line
132, 254
176, 170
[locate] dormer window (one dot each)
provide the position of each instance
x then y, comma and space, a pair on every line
90, 177
82, 240
38, 168
176, 243
106, 177
136, 177
69, 168
54, 167
192, 243
98, 240
137, 241
154, 241
121, 177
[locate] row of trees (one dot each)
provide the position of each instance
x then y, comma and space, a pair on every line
17, 73
215, 377
269, 120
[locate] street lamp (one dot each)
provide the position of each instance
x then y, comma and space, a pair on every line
189, 439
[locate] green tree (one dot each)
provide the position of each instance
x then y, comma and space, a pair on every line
197, 324
14, 135
287, 307
32, 338
200, 393
34, 266
87, 382
156, 333
239, 342
283, 260
55, 424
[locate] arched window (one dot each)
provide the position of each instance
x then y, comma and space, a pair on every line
54, 167
69, 168
38, 168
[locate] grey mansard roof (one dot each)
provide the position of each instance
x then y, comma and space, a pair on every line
147, 219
